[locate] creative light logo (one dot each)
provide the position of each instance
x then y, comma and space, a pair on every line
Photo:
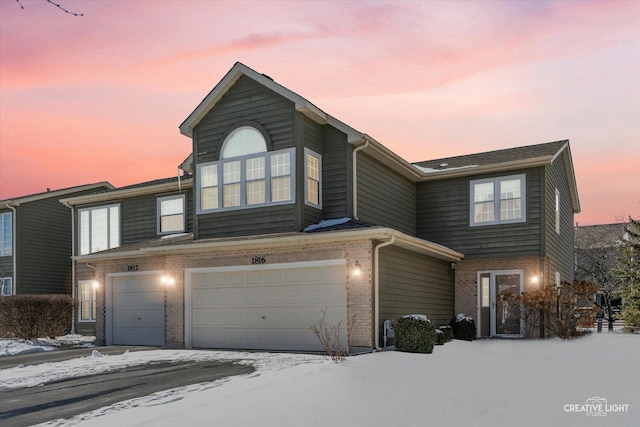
596, 407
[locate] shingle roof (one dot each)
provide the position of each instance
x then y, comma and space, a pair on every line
495, 157
598, 236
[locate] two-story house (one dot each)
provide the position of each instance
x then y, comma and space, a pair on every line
35, 241
290, 213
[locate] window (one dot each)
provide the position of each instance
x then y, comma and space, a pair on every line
557, 211
6, 234
312, 172
87, 290
248, 181
497, 200
6, 286
99, 228
171, 214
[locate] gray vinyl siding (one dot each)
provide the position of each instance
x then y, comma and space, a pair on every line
337, 175
247, 101
311, 139
443, 217
43, 248
559, 247
385, 197
412, 283
139, 216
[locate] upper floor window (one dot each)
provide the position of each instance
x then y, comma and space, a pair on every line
171, 218
247, 175
6, 286
557, 211
6, 234
99, 228
497, 200
312, 173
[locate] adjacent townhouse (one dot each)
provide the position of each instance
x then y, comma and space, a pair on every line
35, 241
286, 216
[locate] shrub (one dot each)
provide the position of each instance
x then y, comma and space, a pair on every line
37, 316
415, 334
447, 333
330, 338
464, 327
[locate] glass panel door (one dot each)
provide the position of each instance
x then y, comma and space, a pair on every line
507, 321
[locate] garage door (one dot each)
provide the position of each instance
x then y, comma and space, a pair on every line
265, 307
136, 310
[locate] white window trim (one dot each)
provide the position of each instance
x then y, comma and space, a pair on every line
308, 152
92, 301
557, 211
3, 281
159, 213
9, 252
496, 200
109, 244
243, 182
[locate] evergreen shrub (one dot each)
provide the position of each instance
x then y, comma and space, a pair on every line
464, 327
415, 334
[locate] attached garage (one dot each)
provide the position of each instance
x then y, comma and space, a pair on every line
267, 307
135, 309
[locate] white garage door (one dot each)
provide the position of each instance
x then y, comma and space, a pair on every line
265, 307
136, 310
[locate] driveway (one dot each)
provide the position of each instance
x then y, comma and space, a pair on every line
73, 396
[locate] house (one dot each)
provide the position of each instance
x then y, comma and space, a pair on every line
35, 241
290, 217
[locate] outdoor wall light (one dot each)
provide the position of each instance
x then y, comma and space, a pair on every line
167, 280
357, 269
96, 284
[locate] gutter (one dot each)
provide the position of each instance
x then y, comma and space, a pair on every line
376, 293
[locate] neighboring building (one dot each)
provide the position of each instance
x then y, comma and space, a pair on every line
291, 213
35, 241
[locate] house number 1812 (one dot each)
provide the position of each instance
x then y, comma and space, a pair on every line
258, 260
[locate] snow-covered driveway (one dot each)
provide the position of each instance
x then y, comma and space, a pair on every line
480, 383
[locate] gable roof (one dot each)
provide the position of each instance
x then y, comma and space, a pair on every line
17, 201
599, 236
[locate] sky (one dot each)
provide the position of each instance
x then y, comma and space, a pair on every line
99, 97
478, 383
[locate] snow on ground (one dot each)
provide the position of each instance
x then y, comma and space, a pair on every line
479, 383
10, 347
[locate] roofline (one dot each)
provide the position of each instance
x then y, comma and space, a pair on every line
376, 233
127, 192
301, 104
55, 193
495, 167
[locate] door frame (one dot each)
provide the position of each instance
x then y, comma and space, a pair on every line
108, 303
492, 301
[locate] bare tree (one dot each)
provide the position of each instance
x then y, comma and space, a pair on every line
596, 258
56, 5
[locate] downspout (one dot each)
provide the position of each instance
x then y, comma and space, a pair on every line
376, 285
355, 178
14, 252
73, 265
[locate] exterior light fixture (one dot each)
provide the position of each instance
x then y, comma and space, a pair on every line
357, 269
167, 280
96, 284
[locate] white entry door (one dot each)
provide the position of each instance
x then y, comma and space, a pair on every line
135, 310
267, 307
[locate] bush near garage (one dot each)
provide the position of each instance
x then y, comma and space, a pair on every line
444, 334
36, 316
414, 334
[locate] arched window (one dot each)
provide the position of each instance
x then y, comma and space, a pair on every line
243, 141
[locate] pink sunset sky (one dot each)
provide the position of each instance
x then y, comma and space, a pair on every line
100, 97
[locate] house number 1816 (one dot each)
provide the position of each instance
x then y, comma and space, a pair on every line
258, 260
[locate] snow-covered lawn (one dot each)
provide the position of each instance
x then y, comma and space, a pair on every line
480, 383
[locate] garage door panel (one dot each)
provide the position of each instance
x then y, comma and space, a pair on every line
137, 310
270, 308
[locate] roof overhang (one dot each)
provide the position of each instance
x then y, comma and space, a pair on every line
128, 192
56, 193
278, 241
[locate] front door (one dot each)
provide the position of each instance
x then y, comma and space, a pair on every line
496, 318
